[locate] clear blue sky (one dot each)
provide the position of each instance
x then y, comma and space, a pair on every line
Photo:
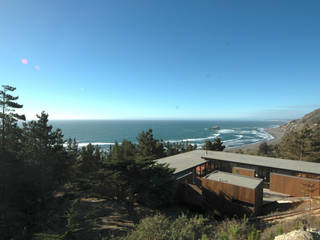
166, 59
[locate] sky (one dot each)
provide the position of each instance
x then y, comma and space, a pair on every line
168, 59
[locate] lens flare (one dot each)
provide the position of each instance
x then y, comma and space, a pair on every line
37, 67
24, 61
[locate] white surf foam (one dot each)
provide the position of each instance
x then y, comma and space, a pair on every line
95, 144
239, 136
226, 131
195, 139
264, 134
247, 132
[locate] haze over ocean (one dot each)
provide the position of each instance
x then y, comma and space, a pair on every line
106, 132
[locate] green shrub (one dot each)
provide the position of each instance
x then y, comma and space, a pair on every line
297, 225
271, 236
280, 230
224, 236
234, 231
160, 227
254, 234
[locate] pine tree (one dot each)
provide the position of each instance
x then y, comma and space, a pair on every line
90, 159
216, 145
8, 116
148, 147
265, 150
43, 151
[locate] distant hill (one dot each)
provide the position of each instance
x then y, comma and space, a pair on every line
311, 119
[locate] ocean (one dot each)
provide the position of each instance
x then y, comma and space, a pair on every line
107, 132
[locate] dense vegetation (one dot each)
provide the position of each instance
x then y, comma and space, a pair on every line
301, 140
36, 162
302, 144
204, 228
216, 145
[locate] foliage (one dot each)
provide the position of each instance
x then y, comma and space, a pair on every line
254, 234
155, 183
178, 147
266, 150
148, 147
35, 165
216, 145
301, 145
271, 236
193, 227
163, 228
280, 230
9, 129
234, 231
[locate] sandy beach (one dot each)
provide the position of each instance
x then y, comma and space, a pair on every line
277, 134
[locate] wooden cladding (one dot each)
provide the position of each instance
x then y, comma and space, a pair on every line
243, 171
248, 195
308, 175
294, 186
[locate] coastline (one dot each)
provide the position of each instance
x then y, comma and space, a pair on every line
276, 132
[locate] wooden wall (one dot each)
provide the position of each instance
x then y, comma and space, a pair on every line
243, 171
223, 206
308, 175
294, 186
190, 195
235, 192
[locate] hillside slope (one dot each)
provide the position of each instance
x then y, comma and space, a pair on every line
311, 119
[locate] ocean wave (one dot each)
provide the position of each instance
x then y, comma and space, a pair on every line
240, 142
195, 139
247, 131
257, 135
239, 137
226, 131
95, 144
260, 132
264, 134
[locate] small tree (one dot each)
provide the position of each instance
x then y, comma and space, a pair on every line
43, 151
148, 147
265, 149
216, 145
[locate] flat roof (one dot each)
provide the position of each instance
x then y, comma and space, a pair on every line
183, 161
278, 163
187, 160
234, 179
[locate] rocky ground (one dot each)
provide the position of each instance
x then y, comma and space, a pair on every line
309, 234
